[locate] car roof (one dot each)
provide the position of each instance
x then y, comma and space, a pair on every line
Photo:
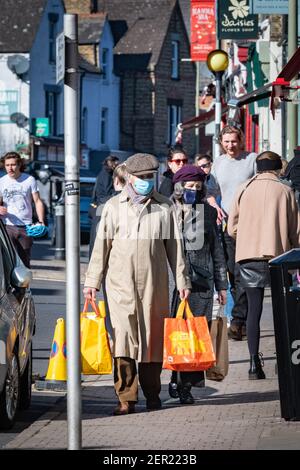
87, 179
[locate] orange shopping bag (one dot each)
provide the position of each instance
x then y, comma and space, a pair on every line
187, 342
95, 350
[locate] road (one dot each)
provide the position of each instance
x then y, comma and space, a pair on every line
49, 299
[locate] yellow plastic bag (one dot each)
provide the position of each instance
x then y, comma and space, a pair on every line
95, 350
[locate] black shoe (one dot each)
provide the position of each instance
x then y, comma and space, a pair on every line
185, 396
153, 404
256, 364
173, 392
235, 332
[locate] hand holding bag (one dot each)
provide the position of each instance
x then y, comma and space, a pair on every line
187, 342
219, 337
95, 351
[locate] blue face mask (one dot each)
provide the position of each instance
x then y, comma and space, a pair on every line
190, 196
143, 187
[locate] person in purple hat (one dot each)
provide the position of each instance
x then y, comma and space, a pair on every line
204, 258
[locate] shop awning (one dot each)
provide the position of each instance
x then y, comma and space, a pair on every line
255, 95
281, 86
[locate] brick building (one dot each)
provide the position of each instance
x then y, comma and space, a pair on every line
157, 87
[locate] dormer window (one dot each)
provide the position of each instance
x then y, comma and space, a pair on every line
104, 64
94, 6
52, 24
175, 60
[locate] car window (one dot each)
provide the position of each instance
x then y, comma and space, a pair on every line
6, 257
3, 271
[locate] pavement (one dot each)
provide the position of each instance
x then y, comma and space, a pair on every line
234, 414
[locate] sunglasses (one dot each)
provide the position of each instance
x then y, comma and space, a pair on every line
178, 161
205, 165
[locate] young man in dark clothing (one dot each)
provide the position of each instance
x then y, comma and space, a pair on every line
103, 191
292, 174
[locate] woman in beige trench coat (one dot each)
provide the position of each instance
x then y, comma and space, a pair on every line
265, 221
137, 237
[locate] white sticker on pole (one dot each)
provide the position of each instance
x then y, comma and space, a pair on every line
60, 57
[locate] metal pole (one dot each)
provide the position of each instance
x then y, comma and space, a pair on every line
292, 109
71, 128
60, 231
197, 104
218, 112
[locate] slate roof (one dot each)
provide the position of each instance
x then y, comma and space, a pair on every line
139, 28
185, 6
144, 37
19, 22
131, 10
90, 28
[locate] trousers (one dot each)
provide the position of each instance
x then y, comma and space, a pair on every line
21, 242
126, 379
240, 307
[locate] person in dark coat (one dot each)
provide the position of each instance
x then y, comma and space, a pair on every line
103, 191
292, 174
204, 256
176, 159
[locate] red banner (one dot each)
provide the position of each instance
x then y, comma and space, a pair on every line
203, 28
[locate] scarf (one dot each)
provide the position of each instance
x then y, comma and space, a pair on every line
137, 199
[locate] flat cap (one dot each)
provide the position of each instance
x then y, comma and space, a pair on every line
189, 173
141, 164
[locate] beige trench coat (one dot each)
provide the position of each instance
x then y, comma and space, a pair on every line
134, 247
264, 218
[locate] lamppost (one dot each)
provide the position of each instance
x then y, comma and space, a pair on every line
217, 62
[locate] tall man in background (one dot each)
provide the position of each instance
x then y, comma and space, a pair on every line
232, 168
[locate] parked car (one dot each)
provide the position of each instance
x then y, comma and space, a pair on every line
17, 327
86, 190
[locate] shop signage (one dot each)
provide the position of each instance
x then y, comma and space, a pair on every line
270, 7
8, 105
235, 20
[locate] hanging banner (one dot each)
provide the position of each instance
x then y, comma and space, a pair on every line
270, 7
203, 29
235, 20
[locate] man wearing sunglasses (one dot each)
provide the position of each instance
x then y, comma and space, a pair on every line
176, 159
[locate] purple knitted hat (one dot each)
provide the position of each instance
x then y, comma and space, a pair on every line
189, 173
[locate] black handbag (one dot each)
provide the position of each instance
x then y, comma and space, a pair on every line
201, 277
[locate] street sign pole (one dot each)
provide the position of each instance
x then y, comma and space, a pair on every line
292, 110
72, 231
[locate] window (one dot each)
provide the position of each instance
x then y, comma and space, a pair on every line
52, 19
84, 125
175, 60
104, 63
7, 259
174, 118
103, 131
94, 6
51, 111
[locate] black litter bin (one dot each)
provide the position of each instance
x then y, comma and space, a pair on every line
285, 286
